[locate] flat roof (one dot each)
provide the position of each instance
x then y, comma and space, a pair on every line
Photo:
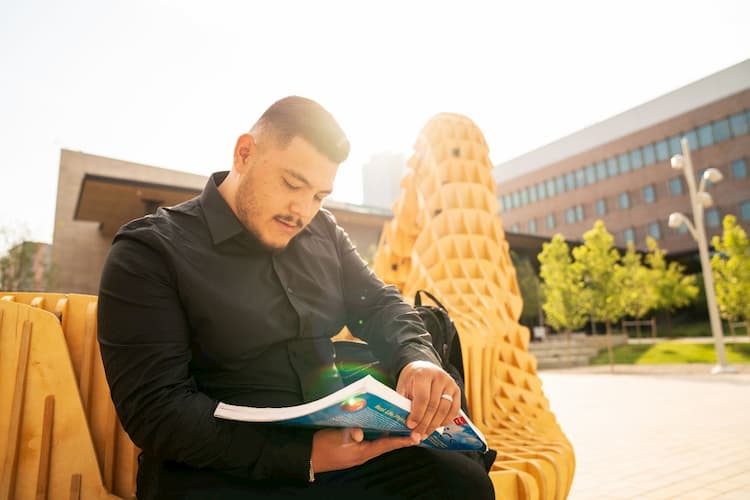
712, 88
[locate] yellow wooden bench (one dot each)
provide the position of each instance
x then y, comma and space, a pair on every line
64, 437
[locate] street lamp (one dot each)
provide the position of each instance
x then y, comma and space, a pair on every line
699, 200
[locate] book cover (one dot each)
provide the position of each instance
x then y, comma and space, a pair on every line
367, 404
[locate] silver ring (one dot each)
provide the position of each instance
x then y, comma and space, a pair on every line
447, 397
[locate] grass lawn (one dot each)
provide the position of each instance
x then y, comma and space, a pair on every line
664, 353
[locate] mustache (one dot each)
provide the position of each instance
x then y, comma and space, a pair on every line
290, 219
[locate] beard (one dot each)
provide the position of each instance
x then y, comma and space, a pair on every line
250, 214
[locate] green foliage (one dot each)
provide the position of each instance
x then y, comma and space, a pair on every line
638, 296
731, 268
663, 353
673, 289
599, 264
565, 302
26, 265
530, 287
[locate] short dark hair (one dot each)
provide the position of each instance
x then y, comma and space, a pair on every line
296, 116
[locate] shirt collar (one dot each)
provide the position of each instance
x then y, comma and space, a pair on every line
221, 221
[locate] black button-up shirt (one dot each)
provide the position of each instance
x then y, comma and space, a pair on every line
194, 310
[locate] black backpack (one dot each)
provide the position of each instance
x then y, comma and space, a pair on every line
445, 339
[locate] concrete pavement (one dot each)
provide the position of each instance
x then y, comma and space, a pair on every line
655, 432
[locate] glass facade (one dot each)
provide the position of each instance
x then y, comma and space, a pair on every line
649, 193
739, 169
628, 235
624, 200
601, 206
654, 230
745, 210
713, 219
738, 124
675, 186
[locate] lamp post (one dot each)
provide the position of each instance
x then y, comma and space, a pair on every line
700, 200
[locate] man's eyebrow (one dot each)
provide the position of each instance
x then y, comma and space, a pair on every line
303, 179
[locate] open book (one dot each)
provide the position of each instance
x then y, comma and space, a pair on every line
367, 404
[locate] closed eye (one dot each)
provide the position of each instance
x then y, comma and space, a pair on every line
291, 186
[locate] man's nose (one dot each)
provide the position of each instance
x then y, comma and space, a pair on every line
302, 207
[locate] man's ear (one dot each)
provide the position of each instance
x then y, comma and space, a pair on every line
244, 150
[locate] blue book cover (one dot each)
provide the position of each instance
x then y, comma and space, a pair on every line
368, 404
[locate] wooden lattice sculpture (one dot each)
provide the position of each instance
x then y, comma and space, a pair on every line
446, 237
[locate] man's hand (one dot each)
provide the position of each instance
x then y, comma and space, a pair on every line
435, 396
335, 449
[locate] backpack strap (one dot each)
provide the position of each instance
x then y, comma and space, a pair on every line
418, 299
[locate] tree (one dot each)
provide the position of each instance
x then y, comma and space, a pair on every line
638, 296
599, 262
562, 287
530, 287
673, 289
26, 265
731, 267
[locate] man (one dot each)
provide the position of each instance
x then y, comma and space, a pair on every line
233, 296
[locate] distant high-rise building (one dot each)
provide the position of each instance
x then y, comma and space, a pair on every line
381, 179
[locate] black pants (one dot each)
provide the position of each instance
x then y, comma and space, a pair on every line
407, 473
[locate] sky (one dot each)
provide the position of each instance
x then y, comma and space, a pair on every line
173, 83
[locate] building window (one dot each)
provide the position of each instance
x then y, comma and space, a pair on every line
712, 217
682, 229
514, 228
662, 150
580, 177
705, 136
654, 230
532, 226
601, 171
624, 161
551, 187
721, 131
636, 160
649, 193
579, 213
570, 181
624, 200
675, 186
738, 124
601, 206
524, 197
628, 235
516, 199
590, 174
541, 191
739, 169
550, 219
675, 148
745, 210
611, 167
649, 155
560, 184
532, 194
570, 215
692, 138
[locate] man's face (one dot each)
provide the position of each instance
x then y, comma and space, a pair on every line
282, 189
